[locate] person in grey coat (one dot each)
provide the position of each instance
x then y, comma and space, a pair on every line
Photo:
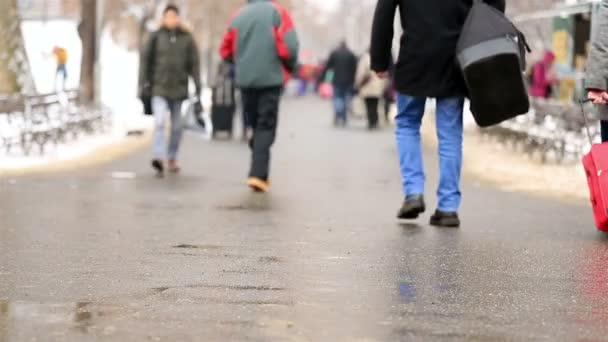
596, 80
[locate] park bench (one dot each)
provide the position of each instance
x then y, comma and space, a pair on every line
43, 119
551, 130
12, 109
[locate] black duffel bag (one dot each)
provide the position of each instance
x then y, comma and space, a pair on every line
491, 53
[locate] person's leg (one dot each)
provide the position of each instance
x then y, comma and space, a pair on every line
374, 103
161, 111
604, 130
408, 122
449, 133
177, 132
65, 76
265, 132
348, 104
368, 109
250, 108
339, 104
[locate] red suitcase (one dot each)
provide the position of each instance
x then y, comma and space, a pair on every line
596, 168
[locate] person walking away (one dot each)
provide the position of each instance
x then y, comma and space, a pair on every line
596, 78
542, 77
61, 58
426, 68
371, 88
343, 63
169, 59
262, 42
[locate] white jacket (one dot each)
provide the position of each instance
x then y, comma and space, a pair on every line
376, 86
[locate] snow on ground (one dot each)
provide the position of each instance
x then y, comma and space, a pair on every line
119, 70
40, 38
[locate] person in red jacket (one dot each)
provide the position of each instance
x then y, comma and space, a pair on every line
262, 43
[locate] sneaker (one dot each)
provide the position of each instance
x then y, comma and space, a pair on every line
445, 219
159, 167
412, 208
258, 185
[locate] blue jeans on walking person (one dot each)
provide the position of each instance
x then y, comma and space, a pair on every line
166, 110
342, 97
449, 132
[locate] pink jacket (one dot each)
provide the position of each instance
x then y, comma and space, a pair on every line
541, 81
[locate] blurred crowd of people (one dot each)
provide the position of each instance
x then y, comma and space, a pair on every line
260, 51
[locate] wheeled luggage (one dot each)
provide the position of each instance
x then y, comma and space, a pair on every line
596, 169
224, 102
491, 54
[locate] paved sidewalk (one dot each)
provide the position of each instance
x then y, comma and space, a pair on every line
86, 256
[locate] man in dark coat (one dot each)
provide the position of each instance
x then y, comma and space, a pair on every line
426, 68
168, 60
343, 63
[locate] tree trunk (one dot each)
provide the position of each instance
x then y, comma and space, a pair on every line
10, 36
88, 36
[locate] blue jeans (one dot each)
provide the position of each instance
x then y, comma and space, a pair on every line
165, 110
449, 132
342, 97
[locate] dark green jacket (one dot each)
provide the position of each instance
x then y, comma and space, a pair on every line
175, 59
262, 42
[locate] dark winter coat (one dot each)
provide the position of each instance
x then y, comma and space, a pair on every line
427, 65
343, 62
175, 59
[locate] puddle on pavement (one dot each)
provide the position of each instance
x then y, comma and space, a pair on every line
203, 247
260, 288
270, 259
23, 318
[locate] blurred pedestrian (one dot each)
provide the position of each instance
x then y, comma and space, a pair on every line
169, 59
262, 42
542, 79
370, 88
61, 58
342, 62
596, 80
426, 68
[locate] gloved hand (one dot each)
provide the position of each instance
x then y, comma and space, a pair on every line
145, 90
197, 109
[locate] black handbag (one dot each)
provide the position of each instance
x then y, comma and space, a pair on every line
491, 53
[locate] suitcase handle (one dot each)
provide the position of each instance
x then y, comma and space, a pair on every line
586, 120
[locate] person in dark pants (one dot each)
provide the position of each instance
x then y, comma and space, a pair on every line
262, 42
371, 88
262, 107
343, 63
426, 69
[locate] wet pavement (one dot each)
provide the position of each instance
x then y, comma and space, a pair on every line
87, 256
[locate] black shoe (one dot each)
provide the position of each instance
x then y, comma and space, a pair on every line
412, 208
159, 167
445, 219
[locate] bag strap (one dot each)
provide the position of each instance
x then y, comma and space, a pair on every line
152, 58
585, 119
